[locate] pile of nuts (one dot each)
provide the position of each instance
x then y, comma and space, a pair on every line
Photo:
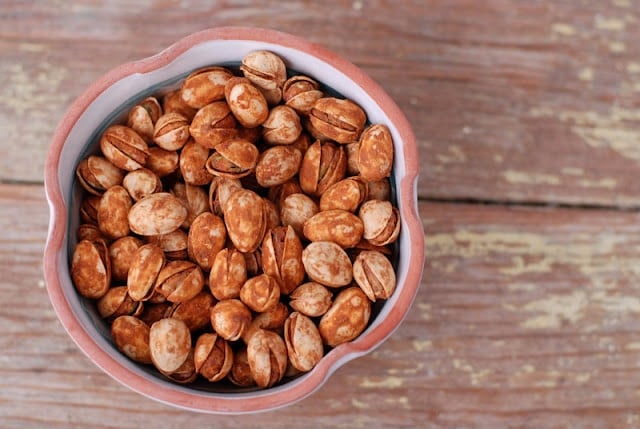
240, 229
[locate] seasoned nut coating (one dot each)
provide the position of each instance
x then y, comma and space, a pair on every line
213, 357
347, 317
131, 336
374, 273
121, 252
267, 356
159, 213
179, 281
141, 183
204, 86
124, 147
327, 263
282, 258
282, 126
303, 341
246, 102
170, 344
375, 153
300, 93
337, 119
230, 318
381, 222
91, 268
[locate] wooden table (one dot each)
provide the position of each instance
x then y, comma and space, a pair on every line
527, 115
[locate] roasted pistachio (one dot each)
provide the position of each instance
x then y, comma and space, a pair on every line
159, 213
277, 165
131, 336
282, 258
346, 318
267, 356
381, 222
213, 124
303, 341
228, 274
170, 344
374, 273
233, 159
146, 263
338, 119
375, 153
91, 268
300, 93
246, 102
296, 209
141, 183
204, 86
213, 357
267, 71
207, 237
260, 293
162, 162
179, 281
230, 318
124, 147
121, 252
96, 174
245, 219
195, 312
193, 159
113, 209
117, 302
346, 194
143, 117
282, 126
340, 226
171, 131
311, 299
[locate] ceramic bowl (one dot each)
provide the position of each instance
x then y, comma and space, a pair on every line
109, 98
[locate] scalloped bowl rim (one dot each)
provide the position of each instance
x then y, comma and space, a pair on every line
70, 138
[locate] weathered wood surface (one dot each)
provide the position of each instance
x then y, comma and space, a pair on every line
527, 317
529, 101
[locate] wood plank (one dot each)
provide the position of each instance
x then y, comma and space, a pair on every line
526, 317
525, 101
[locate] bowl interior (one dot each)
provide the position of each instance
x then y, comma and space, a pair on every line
112, 105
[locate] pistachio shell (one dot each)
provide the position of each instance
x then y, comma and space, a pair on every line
194, 198
282, 258
267, 356
381, 222
131, 336
162, 162
296, 209
228, 274
300, 93
276, 165
337, 119
112, 212
204, 86
272, 320
267, 71
213, 124
179, 281
91, 268
159, 213
220, 190
195, 312
207, 237
213, 357
96, 174
347, 317
146, 263
171, 131
303, 341
375, 153
143, 116
311, 299
339, 226
346, 194
240, 374
246, 102
260, 293
282, 126
169, 343
327, 263
172, 102
186, 373
121, 252
193, 159
375, 275
230, 318
124, 147
245, 219
173, 244
233, 158
323, 164
141, 183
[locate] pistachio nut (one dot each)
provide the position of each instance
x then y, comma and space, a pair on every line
91, 268
146, 263
340, 120
246, 102
96, 174
300, 93
327, 263
204, 86
303, 341
233, 158
277, 165
112, 213
311, 299
124, 147
340, 226
206, 238
213, 357
171, 131
193, 159
323, 164
375, 275
381, 222
346, 318
173, 244
346, 194
282, 258
267, 71
172, 102
117, 302
278, 193
375, 153
282, 126
121, 252
141, 183
179, 281
170, 344
230, 318
271, 319
260, 293
194, 198
131, 336
219, 191
213, 124
245, 219
296, 209
228, 274
240, 374
162, 162
353, 169
159, 213
143, 117
267, 356
195, 312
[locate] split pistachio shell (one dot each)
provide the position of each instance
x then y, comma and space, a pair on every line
195, 312
339, 226
323, 164
194, 198
246, 102
91, 268
337, 119
162, 162
272, 320
327, 263
230, 318
311, 299
267, 71
233, 158
172, 102
228, 274
282, 258
141, 183
173, 244
112, 212
375, 153
278, 193
300, 93
193, 159
282, 126
159, 213
381, 222
267, 356
374, 273
143, 116
296, 209
87, 231
89, 209
169, 343
171, 131
124, 147
220, 190
245, 219
204, 86
179, 281
347, 317
207, 237
276, 165
145, 265
260, 293
240, 374
213, 124
186, 373
131, 336
96, 174
303, 341
213, 357
117, 302
121, 252
346, 194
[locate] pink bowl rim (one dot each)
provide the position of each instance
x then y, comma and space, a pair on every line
270, 398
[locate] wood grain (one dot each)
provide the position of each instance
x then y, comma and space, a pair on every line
522, 101
527, 317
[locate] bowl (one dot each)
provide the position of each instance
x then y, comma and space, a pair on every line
105, 101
